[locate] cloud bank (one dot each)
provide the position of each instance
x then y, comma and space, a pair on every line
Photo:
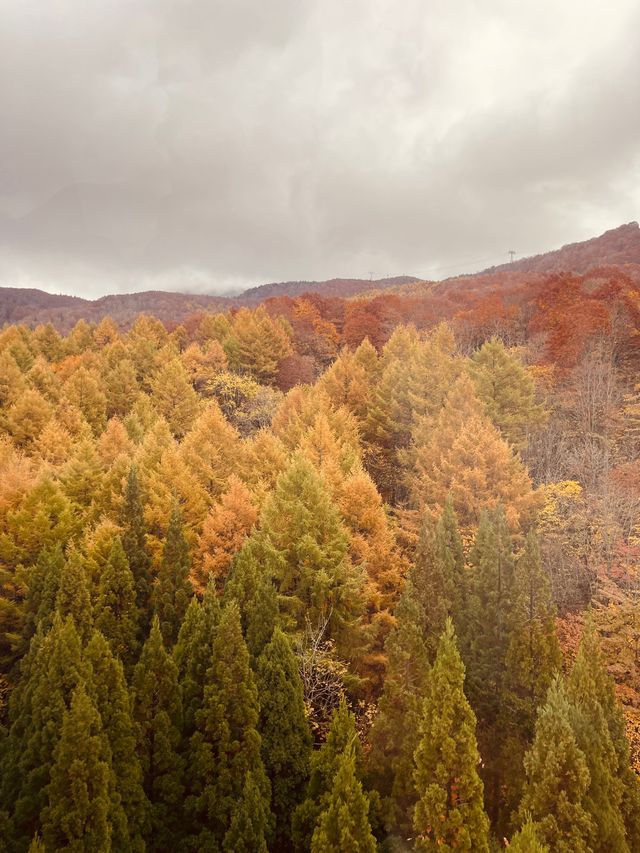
209, 146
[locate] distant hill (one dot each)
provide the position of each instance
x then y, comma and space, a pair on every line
616, 247
341, 287
31, 306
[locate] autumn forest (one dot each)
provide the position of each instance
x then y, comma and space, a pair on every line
326, 573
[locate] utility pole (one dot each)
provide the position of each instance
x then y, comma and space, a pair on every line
512, 255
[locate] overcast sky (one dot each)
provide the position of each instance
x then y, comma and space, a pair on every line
203, 145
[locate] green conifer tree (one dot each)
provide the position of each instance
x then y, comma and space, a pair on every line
449, 814
286, 739
157, 711
488, 622
134, 543
604, 796
250, 821
557, 779
115, 612
73, 597
43, 582
507, 390
394, 734
250, 586
344, 822
526, 840
323, 769
82, 780
226, 744
173, 591
533, 658
108, 690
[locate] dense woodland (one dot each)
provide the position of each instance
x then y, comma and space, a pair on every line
326, 575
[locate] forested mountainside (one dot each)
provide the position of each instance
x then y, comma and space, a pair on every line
326, 574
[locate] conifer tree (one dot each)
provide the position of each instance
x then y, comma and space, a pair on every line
604, 796
107, 688
43, 581
192, 655
324, 766
394, 734
557, 779
115, 611
507, 390
449, 813
489, 616
304, 544
134, 544
73, 594
173, 591
82, 780
157, 711
344, 822
174, 398
286, 739
250, 820
251, 588
532, 659
226, 745
526, 840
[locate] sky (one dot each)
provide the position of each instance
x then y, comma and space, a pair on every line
208, 146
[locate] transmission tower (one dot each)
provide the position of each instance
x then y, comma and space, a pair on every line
512, 255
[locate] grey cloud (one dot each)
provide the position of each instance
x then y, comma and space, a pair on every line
210, 145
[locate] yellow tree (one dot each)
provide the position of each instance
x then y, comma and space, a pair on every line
212, 450
224, 531
174, 397
464, 456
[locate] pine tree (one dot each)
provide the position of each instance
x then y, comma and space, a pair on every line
134, 544
43, 582
325, 762
252, 590
557, 779
226, 745
107, 688
344, 823
174, 398
115, 611
73, 594
604, 796
82, 779
157, 711
173, 590
286, 739
449, 814
394, 734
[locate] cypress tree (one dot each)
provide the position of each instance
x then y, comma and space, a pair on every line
250, 586
82, 781
604, 796
157, 711
344, 822
526, 840
73, 597
323, 769
226, 744
432, 586
249, 821
173, 591
286, 739
557, 779
115, 612
394, 734
134, 543
449, 813
54, 671
43, 581
192, 655
107, 688
489, 619
533, 657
